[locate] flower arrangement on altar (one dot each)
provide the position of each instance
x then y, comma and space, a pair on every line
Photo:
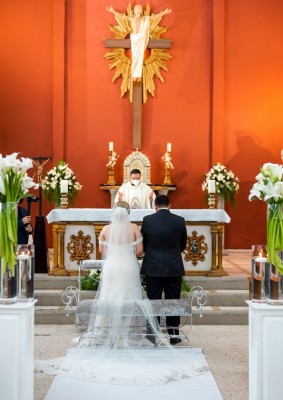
226, 183
269, 188
14, 185
51, 184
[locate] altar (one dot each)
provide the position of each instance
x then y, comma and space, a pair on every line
76, 232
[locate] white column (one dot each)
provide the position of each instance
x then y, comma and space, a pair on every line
265, 351
17, 351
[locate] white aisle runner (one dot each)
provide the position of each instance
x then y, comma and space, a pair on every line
201, 387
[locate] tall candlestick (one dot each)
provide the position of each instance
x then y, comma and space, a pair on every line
211, 186
64, 186
169, 147
111, 146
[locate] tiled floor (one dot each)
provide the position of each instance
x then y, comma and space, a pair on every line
237, 262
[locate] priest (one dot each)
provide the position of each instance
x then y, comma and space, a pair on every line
135, 192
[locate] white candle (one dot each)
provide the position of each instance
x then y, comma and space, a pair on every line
169, 147
23, 257
111, 146
64, 186
211, 186
261, 259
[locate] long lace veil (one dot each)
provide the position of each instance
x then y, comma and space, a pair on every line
121, 310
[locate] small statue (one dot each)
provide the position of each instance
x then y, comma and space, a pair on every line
167, 160
113, 156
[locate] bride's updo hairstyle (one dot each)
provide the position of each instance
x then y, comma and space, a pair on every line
120, 230
122, 204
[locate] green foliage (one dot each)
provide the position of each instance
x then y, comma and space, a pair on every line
92, 279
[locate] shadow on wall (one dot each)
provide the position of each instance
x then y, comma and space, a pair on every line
248, 219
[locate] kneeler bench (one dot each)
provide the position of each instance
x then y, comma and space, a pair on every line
160, 308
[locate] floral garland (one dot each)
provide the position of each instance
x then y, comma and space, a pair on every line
269, 188
226, 183
51, 184
14, 185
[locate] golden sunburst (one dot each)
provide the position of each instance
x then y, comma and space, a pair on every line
154, 61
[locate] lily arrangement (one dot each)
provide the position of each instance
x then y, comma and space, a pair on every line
226, 182
14, 185
269, 188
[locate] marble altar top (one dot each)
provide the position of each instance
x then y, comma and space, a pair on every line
104, 215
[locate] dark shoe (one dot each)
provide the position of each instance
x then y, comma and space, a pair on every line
175, 340
151, 338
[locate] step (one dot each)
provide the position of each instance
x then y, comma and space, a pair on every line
211, 315
44, 281
214, 297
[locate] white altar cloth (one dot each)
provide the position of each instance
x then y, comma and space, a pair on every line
136, 215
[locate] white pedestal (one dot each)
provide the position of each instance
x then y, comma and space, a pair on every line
265, 351
17, 352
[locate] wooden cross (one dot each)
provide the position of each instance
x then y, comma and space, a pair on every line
137, 86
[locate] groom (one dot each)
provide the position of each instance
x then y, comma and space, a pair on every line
164, 239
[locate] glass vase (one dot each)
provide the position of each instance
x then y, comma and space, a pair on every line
8, 240
275, 286
25, 272
259, 266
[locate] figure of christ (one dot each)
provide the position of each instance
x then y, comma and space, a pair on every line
140, 35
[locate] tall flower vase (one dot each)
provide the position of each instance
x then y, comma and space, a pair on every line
275, 236
8, 241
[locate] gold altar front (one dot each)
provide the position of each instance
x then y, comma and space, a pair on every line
75, 240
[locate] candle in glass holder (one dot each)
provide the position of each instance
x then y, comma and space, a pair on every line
211, 186
169, 147
111, 146
64, 186
258, 275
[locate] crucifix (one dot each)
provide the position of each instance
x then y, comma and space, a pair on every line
139, 84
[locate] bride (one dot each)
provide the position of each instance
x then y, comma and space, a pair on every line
116, 348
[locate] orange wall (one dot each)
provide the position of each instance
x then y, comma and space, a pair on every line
220, 100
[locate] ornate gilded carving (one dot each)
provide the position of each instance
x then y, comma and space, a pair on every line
140, 161
80, 247
196, 248
155, 59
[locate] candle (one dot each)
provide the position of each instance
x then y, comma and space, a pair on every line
169, 147
261, 259
64, 186
211, 186
111, 147
23, 257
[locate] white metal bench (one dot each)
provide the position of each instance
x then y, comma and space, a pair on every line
161, 308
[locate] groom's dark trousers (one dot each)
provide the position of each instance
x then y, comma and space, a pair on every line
164, 238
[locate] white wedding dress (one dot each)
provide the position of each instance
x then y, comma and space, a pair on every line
116, 348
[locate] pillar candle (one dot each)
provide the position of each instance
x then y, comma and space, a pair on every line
64, 186
211, 186
169, 147
111, 147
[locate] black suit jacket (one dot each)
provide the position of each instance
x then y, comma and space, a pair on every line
22, 233
164, 239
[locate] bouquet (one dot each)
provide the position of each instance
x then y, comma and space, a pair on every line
51, 184
226, 183
269, 188
14, 185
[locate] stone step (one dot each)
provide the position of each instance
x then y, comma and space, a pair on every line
44, 281
214, 315
214, 297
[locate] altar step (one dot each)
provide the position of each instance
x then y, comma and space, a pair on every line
225, 305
